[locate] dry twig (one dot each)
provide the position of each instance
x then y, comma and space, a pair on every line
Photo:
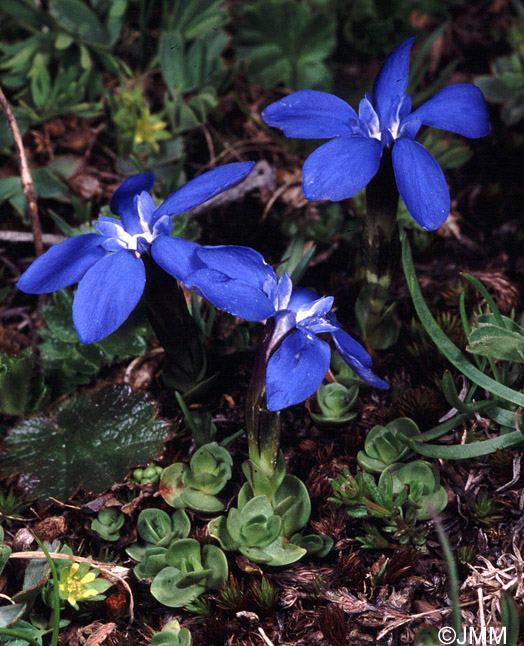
25, 175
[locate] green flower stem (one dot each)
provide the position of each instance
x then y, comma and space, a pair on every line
380, 251
56, 594
262, 425
175, 328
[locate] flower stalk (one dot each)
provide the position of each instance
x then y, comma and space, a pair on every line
262, 425
177, 332
380, 254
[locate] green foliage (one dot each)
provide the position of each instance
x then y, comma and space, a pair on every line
505, 85
190, 571
20, 391
148, 474
374, 26
46, 186
264, 594
88, 441
426, 493
490, 339
156, 531
335, 402
378, 324
509, 618
315, 544
69, 363
195, 18
5, 551
477, 374
403, 496
284, 41
172, 635
200, 423
486, 510
71, 37
12, 505
35, 584
254, 531
108, 523
262, 524
196, 486
65, 93
192, 67
231, 595
138, 131
383, 446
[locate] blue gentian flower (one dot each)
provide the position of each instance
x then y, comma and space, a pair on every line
108, 264
343, 166
239, 281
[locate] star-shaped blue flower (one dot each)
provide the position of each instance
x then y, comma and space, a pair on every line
108, 265
343, 166
239, 281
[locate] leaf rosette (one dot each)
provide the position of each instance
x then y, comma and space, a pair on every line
196, 486
384, 444
190, 571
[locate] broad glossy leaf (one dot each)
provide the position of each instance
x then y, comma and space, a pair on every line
90, 442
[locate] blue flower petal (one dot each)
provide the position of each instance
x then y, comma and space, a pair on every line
241, 263
137, 217
301, 296
296, 369
203, 188
107, 295
357, 358
318, 325
348, 348
162, 226
340, 168
109, 227
366, 375
421, 183
122, 199
113, 244
62, 265
320, 307
176, 256
233, 295
282, 293
310, 114
458, 108
392, 81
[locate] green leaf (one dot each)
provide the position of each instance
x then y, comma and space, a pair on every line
467, 451
197, 17
285, 42
172, 59
90, 441
496, 342
10, 614
20, 392
77, 18
509, 618
444, 344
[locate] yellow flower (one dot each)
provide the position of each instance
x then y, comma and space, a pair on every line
78, 582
